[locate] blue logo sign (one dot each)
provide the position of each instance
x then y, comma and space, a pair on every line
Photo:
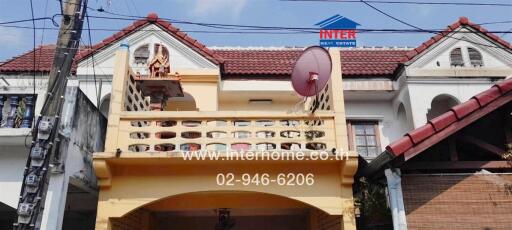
337, 31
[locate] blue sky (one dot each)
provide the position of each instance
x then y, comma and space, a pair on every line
14, 41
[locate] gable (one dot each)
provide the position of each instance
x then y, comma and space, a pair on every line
432, 58
181, 56
438, 56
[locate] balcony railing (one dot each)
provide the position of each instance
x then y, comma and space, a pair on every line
224, 131
17, 111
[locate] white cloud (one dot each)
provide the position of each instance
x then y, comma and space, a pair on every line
212, 7
423, 10
10, 36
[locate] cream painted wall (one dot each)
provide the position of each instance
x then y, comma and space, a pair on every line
245, 105
205, 94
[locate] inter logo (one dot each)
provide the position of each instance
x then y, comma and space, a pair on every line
337, 31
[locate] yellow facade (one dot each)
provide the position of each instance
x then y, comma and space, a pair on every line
158, 189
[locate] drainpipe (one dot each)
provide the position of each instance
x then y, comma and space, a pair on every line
396, 200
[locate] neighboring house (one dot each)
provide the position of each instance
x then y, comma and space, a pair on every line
72, 192
376, 95
455, 171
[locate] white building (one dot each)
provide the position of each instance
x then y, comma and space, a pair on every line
388, 91
72, 191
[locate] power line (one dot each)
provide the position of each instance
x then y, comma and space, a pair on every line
269, 31
34, 46
408, 2
255, 29
498, 22
25, 20
93, 62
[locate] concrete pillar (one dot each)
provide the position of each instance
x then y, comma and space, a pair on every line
119, 79
338, 101
55, 203
396, 200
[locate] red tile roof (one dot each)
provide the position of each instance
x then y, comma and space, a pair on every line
477, 106
258, 62
24, 62
254, 63
355, 62
463, 21
371, 62
152, 18
248, 63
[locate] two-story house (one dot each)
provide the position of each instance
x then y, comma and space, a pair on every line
233, 99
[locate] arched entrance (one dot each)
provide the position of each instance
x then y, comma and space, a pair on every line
226, 210
185, 103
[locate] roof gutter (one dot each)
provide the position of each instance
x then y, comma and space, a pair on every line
378, 164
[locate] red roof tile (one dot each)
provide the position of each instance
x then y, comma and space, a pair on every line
456, 115
355, 62
463, 21
24, 62
361, 62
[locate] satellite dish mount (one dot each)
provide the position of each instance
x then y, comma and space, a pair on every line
311, 73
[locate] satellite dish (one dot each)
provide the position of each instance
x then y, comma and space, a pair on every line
311, 71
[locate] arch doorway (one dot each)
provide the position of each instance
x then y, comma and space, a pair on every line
441, 104
225, 210
185, 103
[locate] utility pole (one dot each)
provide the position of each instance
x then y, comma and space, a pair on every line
46, 142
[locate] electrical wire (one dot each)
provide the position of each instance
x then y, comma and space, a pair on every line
253, 27
259, 31
25, 20
34, 48
92, 58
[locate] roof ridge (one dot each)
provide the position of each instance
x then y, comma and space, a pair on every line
302, 48
256, 47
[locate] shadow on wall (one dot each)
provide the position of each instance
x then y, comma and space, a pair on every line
441, 104
7, 216
185, 103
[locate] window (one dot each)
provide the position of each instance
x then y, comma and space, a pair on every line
475, 57
364, 138
141, 55
456, 57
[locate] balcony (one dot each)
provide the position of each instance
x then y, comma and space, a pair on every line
224, 131
17, 111
16, 117
137, 127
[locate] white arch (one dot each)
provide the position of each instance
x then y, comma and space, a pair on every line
441, 104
